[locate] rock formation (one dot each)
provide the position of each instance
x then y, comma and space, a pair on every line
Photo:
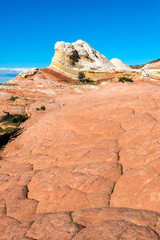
79, 56
153, 65
28, 72
72, 58
119, 65
152, 70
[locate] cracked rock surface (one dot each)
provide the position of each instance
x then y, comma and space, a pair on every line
88, 167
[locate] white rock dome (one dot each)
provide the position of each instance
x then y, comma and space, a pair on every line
119, 64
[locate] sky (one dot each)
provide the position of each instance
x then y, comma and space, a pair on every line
126, 29
7, 74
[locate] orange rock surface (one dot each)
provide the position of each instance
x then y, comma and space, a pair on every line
88, 167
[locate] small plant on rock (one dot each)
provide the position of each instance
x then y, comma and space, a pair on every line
125, 79
15, 119
43, 108
81, 76
12, 99
83, 79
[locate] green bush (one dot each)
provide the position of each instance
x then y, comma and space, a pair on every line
10, 130
125, 79
88, 80
14, 119
43, 108
6, 134
12, 99
9, 84
18, 118
81, 76
83, 79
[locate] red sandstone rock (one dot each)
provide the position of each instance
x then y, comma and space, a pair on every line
12, 229
89, 217
69, 191
53, 226
112, 230
142, 190
94, 149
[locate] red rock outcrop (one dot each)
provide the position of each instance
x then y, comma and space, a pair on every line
85, 168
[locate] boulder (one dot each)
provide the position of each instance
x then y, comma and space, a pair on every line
28, 72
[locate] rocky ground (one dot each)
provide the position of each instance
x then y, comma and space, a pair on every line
87, 167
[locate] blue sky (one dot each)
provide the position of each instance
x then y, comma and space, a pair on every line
126, 29
7, 74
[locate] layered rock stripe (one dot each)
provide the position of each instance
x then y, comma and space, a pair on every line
72, 58
85, 168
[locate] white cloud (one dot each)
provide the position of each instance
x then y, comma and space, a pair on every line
10, 71
7, 74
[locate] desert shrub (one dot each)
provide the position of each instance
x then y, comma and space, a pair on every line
12, 99
5, 118
10, 130
9, 84
88, 80
14, 119
18, 118
125, 79
43, 108
1, 130
137, 66
8, 133
82, 78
